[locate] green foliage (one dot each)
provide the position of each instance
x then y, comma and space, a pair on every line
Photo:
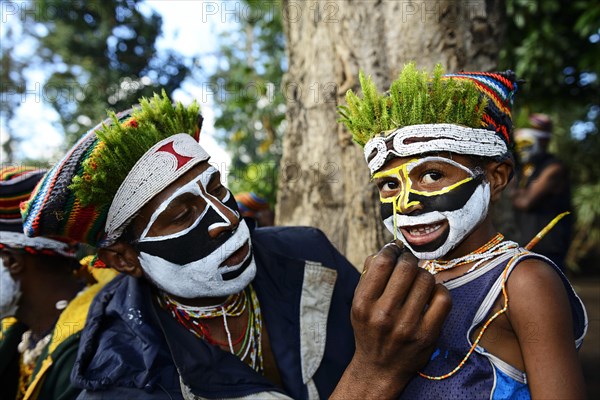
549, 44
248, 97
585, 199
414, 98
103, 55
259, 178
12, 87
121, 145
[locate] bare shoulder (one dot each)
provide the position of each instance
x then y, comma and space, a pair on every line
531, 273
536, 291
540, 314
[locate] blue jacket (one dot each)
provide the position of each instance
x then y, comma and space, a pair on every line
133, 349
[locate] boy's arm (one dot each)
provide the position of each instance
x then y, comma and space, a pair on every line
540, 315
397, 315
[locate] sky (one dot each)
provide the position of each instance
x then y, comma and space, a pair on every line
190, 27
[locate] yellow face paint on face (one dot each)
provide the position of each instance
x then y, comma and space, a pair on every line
522, 144
427, 174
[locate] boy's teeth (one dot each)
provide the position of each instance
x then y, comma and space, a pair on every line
424, 230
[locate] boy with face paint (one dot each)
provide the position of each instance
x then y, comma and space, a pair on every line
543, 190
437, 148
43, 305
205, 307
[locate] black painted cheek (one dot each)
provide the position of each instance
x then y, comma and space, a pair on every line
451, 201
387, 210
232, 204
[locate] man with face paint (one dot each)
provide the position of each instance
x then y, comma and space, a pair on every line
205, 307
542, 191
43, 304
437, 148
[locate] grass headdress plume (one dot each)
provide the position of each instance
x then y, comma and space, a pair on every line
414, 98
123, 142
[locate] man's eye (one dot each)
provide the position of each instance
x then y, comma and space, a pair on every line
181, 216
431, 177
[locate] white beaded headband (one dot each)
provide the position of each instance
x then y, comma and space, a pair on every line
158, 168
435, 137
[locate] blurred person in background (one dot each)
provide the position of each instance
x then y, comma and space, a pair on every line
542, 191
255, 207
43, 303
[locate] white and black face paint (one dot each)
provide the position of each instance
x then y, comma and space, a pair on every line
191, 263
10, 292
463, 206
461, 222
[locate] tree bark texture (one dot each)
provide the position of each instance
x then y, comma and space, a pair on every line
324, 180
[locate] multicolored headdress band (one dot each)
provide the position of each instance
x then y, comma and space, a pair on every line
93, 193
465, 113
16, 184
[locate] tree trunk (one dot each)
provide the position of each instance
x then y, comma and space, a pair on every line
324, 180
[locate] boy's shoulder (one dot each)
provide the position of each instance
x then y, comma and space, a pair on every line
538, 288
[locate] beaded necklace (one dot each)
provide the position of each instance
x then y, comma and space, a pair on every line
30, 350
495, 247
234, 306
491, 249
483, 328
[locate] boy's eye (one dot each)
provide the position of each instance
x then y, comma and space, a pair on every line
431, 177
388, 186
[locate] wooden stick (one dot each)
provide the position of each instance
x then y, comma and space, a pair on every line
546, 229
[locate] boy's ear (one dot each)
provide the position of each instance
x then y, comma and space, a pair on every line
499, 175
122, 257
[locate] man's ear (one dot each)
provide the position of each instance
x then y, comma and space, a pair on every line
122, 257
499, 174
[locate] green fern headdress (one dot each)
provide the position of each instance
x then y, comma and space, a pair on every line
465, 113
92, 194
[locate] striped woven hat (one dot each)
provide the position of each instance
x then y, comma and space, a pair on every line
16, 185
499, 88
103, 181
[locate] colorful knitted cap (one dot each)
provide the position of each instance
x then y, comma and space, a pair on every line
465, 113
249, 203
101, 184
16, 185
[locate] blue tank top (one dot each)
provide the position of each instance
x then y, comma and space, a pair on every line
483, 376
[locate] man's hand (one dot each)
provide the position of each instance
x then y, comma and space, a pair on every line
397, 314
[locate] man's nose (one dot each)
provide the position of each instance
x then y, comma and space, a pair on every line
230, 220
